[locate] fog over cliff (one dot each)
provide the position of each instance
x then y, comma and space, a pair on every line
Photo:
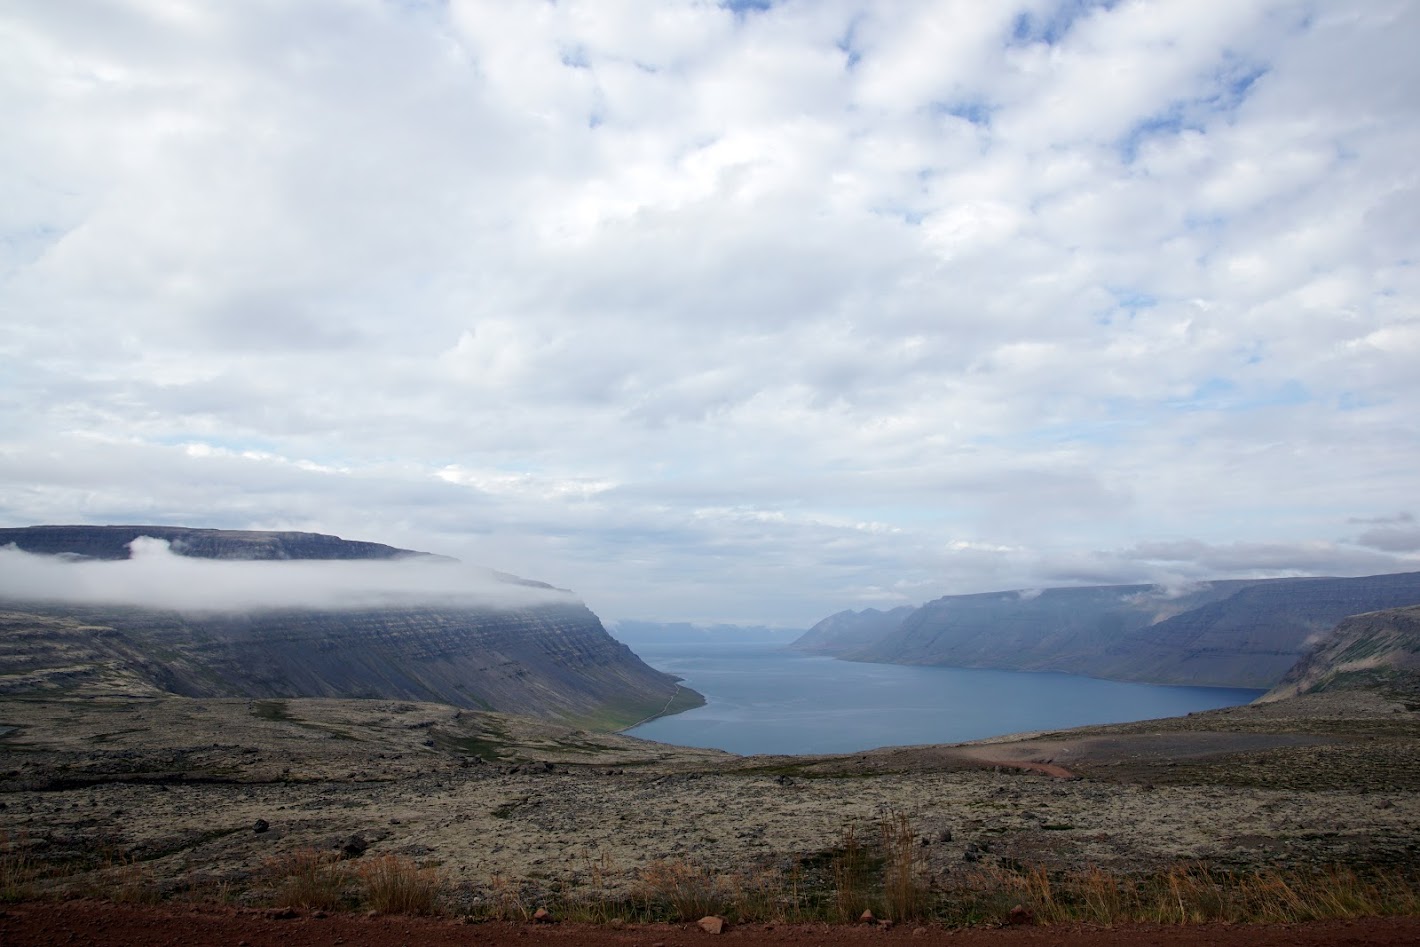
157, 577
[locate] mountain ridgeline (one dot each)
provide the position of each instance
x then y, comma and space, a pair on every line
547, 658
1242, 633
112, 542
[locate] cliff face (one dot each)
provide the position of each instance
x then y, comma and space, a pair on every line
1230, 634
552, 660
1376, 650
1254, 636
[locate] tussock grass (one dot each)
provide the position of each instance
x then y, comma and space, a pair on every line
17, 871
905, 893
130, 882
1184, 894
682, 890
307, 878
508, 903
853, 869
392, 884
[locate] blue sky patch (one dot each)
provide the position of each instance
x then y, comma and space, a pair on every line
744, 7
976, 112
1052, 27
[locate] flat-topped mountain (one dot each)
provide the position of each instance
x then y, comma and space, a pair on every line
1245, 633
510, 644
112, 542
1373, 651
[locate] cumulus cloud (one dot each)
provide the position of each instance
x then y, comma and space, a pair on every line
154, 576
665, 305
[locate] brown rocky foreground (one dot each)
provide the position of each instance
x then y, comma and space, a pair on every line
97, 924
136, 799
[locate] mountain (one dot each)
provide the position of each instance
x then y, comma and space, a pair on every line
1240, 633
111, 542
849, 630
539, 653
1376, 650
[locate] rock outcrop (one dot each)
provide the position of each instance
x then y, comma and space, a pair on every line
549, 659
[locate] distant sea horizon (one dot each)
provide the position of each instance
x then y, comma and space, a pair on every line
764, 699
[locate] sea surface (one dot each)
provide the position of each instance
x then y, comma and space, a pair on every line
763, 699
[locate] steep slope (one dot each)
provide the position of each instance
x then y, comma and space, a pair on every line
548, 656
1232, 634
1375, 651
850, 631
1254, 636
1050, 629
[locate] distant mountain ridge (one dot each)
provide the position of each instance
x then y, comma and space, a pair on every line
635, 632
1234, 633
849, 630
548, 659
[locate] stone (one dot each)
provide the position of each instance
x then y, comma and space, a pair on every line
711, 924
354, 846
260, 825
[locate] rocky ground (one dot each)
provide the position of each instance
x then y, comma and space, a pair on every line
184, 796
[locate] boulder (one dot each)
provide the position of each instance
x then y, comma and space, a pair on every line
711, 924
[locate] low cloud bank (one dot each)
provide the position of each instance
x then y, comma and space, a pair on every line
156, 577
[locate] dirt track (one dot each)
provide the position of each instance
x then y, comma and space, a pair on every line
85, 923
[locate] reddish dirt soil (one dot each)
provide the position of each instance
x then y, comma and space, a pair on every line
85, 923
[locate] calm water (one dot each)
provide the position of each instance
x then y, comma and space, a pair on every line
764, 700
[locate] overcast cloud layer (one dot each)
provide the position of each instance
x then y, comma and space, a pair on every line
719, 314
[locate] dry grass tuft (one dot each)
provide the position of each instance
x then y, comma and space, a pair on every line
852, 877
905, 894
508, 903
683, 890
306, 878
17, 871
393, 884
1188, 894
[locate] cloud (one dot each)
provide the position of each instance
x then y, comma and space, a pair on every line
1398, 535
154, 576
664, 306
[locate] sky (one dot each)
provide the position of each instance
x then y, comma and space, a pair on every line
724, 312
